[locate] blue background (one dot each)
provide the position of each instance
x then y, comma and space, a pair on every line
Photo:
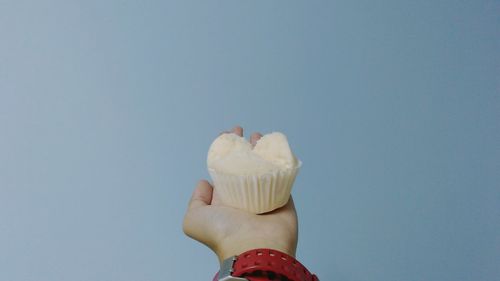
107, 110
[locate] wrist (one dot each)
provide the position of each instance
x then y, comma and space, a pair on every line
263, 264
234, 249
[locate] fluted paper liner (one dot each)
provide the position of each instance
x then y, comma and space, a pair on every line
255, 193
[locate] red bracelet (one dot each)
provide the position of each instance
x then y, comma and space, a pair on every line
255, 264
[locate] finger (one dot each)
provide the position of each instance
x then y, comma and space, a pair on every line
289, 206
286, 210
202, 195
238, 130
254, 138
216, 200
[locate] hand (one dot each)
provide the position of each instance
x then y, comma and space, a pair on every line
229, 231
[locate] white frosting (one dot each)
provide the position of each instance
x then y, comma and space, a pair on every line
232, 154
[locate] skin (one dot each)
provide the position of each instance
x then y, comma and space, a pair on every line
229, 231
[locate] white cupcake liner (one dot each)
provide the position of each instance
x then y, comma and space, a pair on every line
255, 193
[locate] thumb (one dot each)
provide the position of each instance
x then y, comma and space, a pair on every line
202, 195
195, 219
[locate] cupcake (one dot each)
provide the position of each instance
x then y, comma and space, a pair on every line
256, 179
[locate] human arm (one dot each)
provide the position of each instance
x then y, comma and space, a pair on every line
263, 243
229, 231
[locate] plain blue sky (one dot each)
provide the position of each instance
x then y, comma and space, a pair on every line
107, 110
